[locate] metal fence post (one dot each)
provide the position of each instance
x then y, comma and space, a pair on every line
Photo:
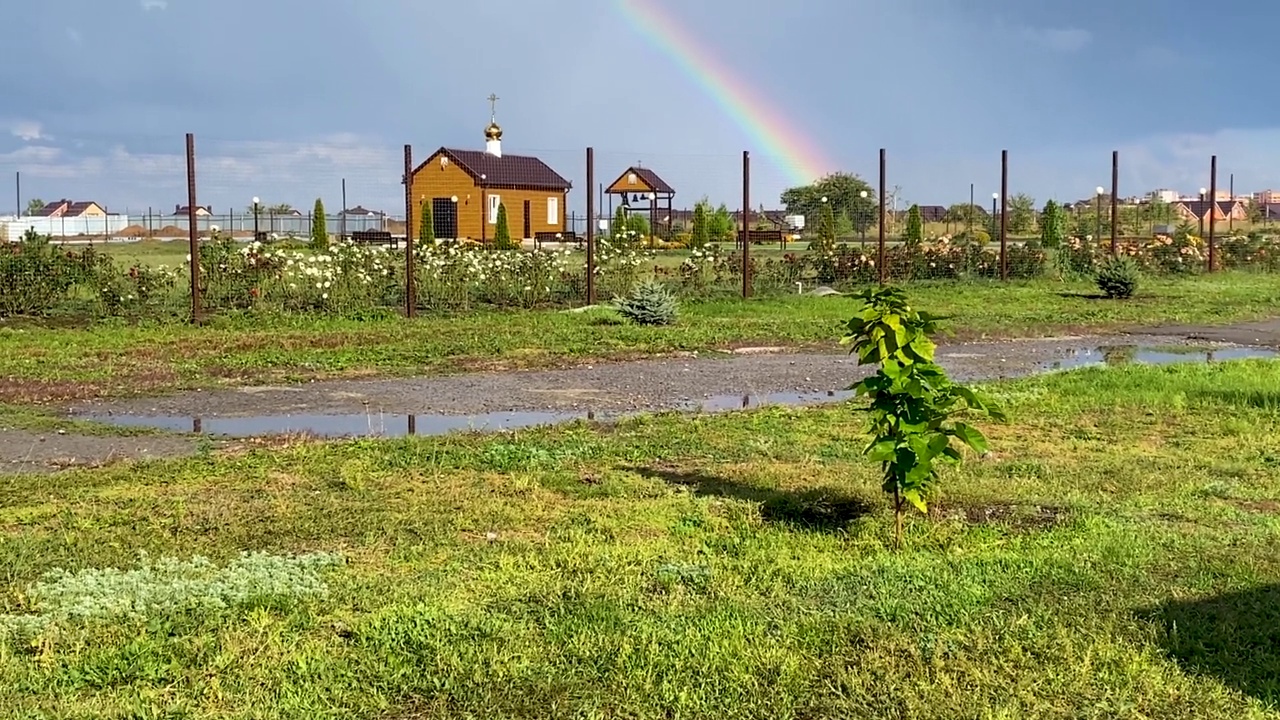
1004, 214
746, 224
193, 243
410, 291
591, 226
1213, 206
881, 259
1115, 192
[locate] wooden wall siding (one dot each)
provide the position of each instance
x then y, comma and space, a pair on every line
434, 180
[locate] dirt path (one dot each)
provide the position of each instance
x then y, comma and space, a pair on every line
719, 380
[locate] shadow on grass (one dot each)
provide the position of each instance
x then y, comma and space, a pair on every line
1082, 296
1234, 638
819, 509
1260, 399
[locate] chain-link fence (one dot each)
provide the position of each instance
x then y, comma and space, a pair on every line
333, 227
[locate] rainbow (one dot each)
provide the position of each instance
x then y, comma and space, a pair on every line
774, 135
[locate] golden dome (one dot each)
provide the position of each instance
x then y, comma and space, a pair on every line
493, 132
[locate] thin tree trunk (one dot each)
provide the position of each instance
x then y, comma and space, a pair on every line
897, 519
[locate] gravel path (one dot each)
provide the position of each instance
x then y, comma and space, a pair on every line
716, 381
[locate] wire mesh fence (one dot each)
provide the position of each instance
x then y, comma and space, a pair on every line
334, 228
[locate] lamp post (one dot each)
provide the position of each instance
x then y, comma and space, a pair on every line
454, 199
862, 224
994, 228
1203, 192
255, 218
1097, 212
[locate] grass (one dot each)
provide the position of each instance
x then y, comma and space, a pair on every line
37, 419
50, 364
1113, 557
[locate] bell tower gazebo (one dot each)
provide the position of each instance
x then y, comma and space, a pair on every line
641, 188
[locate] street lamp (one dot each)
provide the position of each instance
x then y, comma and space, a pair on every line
1203, 193
255, 217
1097, 212
994, 227
862, 222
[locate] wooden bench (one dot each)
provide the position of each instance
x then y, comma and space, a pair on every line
759, 237
374, 237
555, 237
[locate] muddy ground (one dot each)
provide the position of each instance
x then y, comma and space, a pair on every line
605, 390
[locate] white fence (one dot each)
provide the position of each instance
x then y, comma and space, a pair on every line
12, 229
156, 225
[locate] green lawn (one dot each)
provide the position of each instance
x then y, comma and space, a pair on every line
49, 364
1114, 557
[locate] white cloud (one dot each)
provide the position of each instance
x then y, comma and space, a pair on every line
227, 174
1065, 40
27, 130
154, 5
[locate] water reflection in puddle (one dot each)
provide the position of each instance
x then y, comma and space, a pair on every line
1128, 354
380, 425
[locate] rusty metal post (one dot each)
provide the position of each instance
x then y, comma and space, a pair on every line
410, 287
1004, 214
746, 224
1115, 193
880, 260
591, 227
193, 242
1213, 206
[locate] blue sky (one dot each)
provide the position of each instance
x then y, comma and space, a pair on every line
288, 98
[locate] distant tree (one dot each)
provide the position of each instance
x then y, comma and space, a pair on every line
965, 213
34, 205
720, 225
319, 228
1022, 214
914, 232
701, 234
1255, 211
825, 241
638, 224
619, 224
843, 193
1052, 225
427, 226
502, 233
280, 209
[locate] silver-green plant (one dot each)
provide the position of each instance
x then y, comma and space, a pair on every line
650, 303
167, 587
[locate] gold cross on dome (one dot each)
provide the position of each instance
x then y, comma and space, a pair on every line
493, 106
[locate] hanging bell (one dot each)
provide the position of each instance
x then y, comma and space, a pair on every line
635, 197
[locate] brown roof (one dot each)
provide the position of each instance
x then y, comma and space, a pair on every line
650, 178
70, 209
512, 172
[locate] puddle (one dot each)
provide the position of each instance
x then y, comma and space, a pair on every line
375, 425
380, 425
1114, 355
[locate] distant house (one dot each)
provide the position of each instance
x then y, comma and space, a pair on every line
933, 213
363, 212
70, 208
469, 189
1211, 210
758, 219
185, 210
